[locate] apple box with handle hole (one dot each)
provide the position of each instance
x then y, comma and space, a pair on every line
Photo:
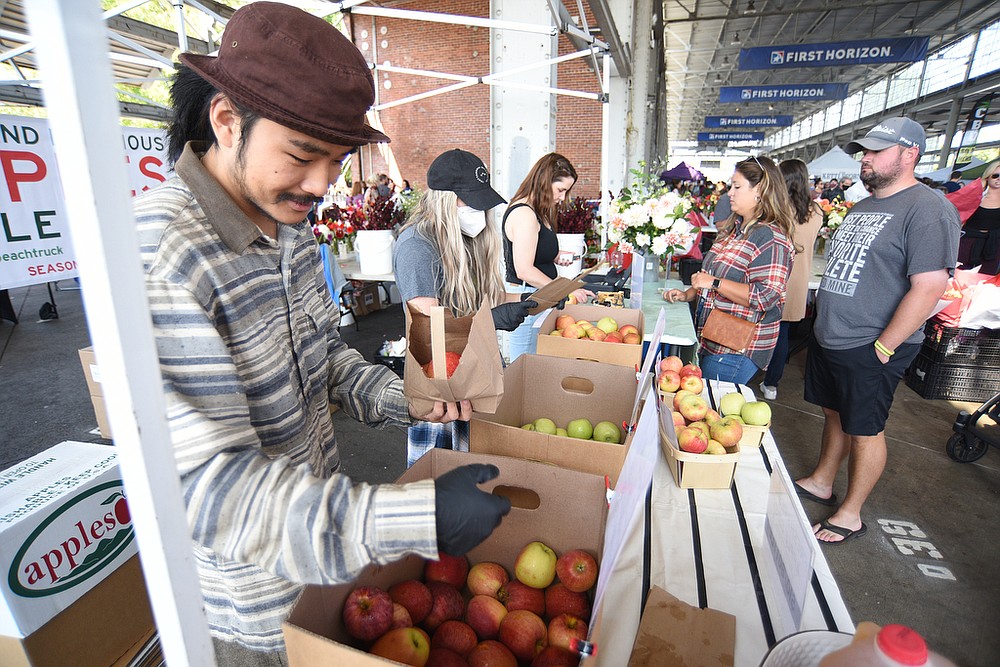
564, 509
561, 390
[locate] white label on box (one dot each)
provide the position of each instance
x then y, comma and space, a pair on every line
64, 526
95, 372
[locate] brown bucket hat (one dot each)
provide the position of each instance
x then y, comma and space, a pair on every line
295, 69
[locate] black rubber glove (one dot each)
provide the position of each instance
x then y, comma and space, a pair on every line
509, 316
562, 303
466, 515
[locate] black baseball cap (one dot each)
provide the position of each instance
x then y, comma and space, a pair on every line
464, 174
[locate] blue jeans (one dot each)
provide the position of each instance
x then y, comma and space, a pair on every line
776, 368
524, 339
733, 368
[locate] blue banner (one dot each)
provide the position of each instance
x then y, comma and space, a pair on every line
730, 136
748, 121
786, 93
860, 52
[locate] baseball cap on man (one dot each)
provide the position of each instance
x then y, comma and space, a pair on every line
895, 131
464, 174
295, 69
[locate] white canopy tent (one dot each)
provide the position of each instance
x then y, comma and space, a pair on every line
835, 163
945, 174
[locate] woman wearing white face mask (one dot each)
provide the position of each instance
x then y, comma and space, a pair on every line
448, 254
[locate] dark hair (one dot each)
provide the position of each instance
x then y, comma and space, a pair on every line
191, 97
955, 174
796, 175
536, 189
773, 206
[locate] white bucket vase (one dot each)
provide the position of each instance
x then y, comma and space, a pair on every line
374, 248
572, 243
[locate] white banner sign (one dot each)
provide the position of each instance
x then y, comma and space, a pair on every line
34, 233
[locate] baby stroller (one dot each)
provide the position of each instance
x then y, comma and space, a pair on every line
971, 440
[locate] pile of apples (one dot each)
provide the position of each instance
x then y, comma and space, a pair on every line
479, 616
753, 413
676, 375
578, 428
603, 330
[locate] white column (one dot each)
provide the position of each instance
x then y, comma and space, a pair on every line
523, 121
72, 50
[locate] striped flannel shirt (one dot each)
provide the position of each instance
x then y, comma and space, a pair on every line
761, 256
251, 357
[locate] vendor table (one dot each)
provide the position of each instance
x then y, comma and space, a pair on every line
716, 548
679, 331
352, 271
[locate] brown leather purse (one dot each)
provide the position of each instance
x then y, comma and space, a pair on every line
728, 330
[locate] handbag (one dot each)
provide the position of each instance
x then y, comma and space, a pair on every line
728, 330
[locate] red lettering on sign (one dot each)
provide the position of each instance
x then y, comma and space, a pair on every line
144, 167
15, 178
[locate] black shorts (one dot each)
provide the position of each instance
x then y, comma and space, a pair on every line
855, 383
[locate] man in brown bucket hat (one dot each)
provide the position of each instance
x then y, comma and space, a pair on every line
248, 336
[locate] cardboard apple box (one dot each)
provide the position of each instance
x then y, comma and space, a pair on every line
561, 389
620, 354
700, 471
93, 374
565, 509
704, 637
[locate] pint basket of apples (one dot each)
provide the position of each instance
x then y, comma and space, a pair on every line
451, 359
702, 446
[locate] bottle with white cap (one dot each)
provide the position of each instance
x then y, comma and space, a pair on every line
891, 646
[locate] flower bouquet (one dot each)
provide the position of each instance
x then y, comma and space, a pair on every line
577, 217
339, 227
383, 214
650, 219
833, 216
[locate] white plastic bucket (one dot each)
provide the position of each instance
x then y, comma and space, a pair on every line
572, 243
374, 249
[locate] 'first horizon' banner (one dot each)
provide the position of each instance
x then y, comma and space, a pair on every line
860, 52
785, 93
35, 245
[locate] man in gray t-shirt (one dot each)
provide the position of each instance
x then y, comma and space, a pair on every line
889, 264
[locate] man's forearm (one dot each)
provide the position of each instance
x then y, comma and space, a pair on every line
911, 313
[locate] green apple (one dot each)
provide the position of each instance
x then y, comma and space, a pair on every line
529, 427
545, 425
732, 403
607, 324
607, 432
756, 413
562, 432
535, 565
580, 428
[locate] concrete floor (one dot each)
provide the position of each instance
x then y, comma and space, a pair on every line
929, 560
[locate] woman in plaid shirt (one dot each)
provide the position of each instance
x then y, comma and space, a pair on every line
745, 272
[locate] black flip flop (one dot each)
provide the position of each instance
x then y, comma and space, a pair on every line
846, 533
805, 493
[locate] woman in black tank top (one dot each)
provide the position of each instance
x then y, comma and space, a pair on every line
529, 238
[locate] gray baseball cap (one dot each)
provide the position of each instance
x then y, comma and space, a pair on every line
895, 131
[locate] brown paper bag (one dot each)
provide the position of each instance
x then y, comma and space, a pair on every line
479, 375
553, 293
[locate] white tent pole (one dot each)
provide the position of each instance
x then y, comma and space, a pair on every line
73, 57
605, 150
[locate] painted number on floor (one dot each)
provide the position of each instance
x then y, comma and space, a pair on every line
910, 540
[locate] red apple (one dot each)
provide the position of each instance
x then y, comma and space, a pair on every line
573, 331
689, 369
632, 339
565, 628
669, 382
451, 360
692, 440
409, 646
442, 657
448, 605
487, 578
727, 431
535, 565
693, 407
712, 416
400, 617
692, 383
524, 634
593, 333
564, 321
671, 363
556, 656
679, 421
613, 337
561, 600
577, 570
491, 653
627, 329
484, 614
678, 397
448, 569
455, 635
367, 613
517, 595
413, 595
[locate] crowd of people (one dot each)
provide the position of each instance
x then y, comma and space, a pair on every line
249, 343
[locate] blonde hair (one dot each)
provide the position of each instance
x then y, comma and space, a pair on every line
470, 267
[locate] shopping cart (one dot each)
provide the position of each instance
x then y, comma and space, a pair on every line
972, 438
